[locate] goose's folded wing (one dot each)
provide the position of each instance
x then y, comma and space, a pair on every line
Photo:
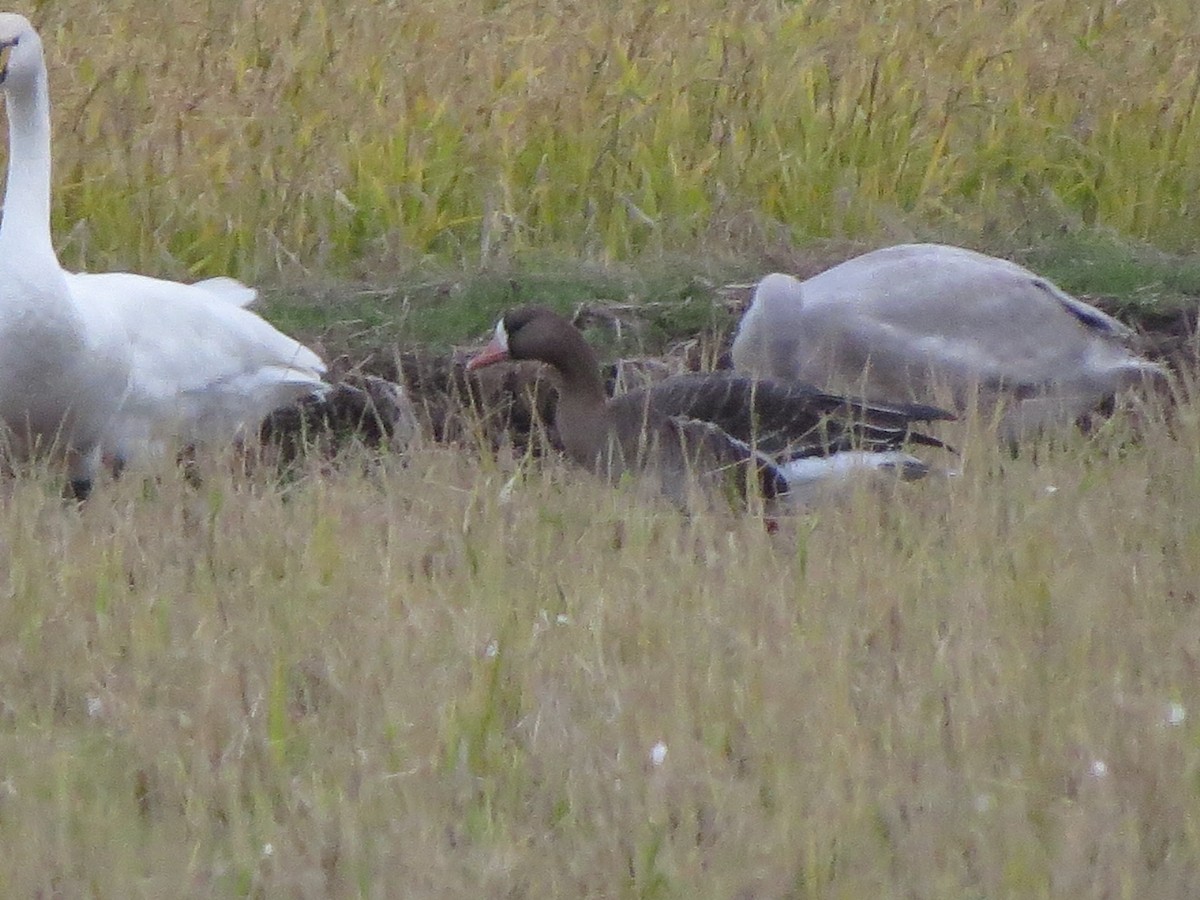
784, 418
708, 450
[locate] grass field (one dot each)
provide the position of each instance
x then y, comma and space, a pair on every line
402, 678
406, 683
250, 138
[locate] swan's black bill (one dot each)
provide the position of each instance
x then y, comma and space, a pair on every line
5, 50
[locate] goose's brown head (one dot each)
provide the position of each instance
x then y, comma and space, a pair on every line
534, 332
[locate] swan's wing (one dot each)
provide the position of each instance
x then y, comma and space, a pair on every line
229, 290
178, 327
908, 312
787, 418
200, 369
965, 264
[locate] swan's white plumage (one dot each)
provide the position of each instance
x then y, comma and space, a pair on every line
229, 289
64, 367
118, 361
940, 324
203, 369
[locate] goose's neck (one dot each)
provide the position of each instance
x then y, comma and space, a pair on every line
583, 417
26, 219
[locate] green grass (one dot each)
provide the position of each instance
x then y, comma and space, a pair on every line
674, 297
1135, 281
660, 300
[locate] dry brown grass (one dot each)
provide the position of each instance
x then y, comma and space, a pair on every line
395, 683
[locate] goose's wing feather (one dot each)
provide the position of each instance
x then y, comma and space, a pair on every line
788, 418
707, 447
202, 366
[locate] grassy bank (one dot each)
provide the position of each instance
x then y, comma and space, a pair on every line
666, 298
258, 137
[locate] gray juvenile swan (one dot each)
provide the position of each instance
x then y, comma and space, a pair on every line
115, 361
935, 323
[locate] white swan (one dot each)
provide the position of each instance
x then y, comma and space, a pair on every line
204, 370
940, 324
64, 366
142, 362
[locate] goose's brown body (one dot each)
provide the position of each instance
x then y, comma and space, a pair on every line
694, 425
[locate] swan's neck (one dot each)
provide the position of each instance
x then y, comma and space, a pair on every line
25, 226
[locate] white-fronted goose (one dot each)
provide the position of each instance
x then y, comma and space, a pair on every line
707, 425
939, 324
